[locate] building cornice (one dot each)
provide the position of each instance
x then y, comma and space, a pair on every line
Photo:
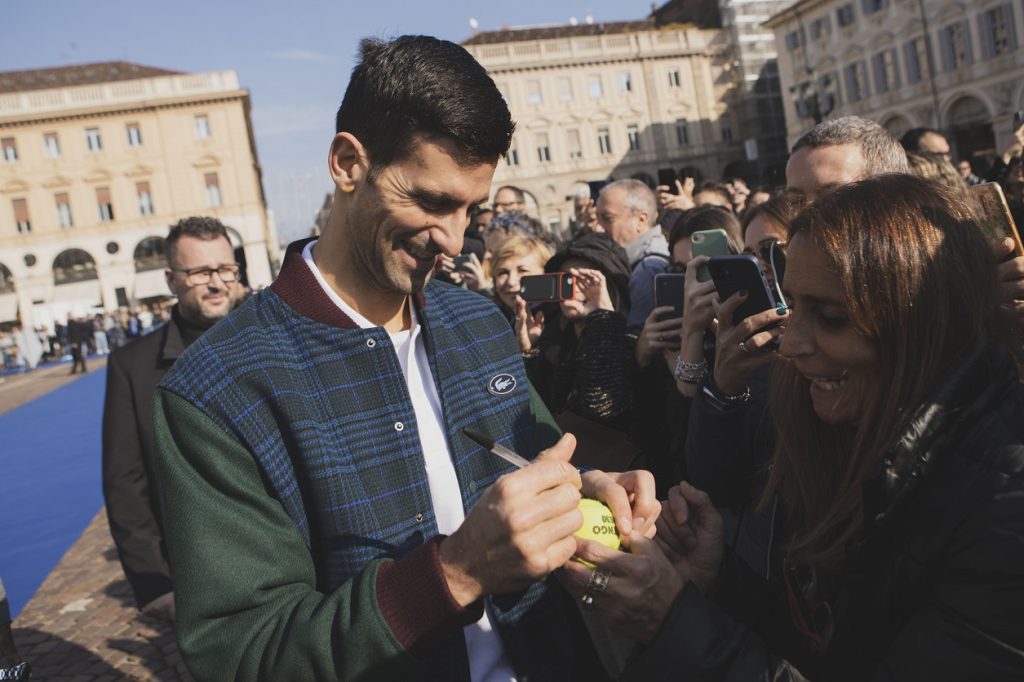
108, 98
554, 66
117, 110
795, 11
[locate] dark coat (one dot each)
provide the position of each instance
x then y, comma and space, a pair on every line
133, 373
934, 587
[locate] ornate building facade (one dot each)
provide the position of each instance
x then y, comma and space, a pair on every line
599, 100
955, 66
97, 162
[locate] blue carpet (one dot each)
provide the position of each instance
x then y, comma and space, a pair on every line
50, 486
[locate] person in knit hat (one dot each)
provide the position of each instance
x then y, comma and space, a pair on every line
581, 362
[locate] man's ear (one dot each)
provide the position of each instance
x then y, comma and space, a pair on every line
347, 161
645, 220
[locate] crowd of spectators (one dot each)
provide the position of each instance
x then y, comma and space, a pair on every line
96, 334
608, 357
710, 406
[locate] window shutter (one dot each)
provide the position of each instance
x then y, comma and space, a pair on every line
985, 30
946, 47
968, 49
878, 66
20, 210
1011, 23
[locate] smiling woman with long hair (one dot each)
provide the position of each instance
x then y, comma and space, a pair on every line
890, 543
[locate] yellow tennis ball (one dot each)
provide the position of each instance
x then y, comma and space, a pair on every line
598, 525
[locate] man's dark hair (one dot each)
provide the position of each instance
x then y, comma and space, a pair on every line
199, 227
881, 152
519, 194
911, 140
706, 218
715, 188
419, 85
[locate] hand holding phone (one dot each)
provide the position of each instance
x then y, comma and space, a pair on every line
552, 286
748, 327
667, 178
994, 217
669, 291
735, 274
709, 243
591, 289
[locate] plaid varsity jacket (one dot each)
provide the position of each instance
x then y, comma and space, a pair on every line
288, 421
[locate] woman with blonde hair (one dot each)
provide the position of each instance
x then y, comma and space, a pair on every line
512, 259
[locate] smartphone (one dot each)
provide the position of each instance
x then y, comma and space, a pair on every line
994, 216
553, 286
595, 188
462, 261
738, 273
709, 243
667, 177
668, 291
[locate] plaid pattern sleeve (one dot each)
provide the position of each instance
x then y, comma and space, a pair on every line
323, 411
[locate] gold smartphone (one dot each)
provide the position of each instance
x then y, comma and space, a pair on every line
994, 215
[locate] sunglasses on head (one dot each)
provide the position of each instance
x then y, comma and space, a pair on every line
772, 252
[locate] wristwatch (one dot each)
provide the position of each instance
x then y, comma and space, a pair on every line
22, 671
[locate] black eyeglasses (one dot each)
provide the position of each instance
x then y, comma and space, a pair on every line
200, 276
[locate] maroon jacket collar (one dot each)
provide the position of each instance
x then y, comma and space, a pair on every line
300, 290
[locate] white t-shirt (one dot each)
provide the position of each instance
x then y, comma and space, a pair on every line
487, 660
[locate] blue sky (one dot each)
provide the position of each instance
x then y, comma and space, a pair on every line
293, 56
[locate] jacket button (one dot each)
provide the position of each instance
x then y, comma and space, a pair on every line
419, 518
472, 486
371, 343
399, 426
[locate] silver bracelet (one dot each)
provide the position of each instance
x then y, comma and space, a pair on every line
690, 372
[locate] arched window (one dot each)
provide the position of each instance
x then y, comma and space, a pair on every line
6, 280
73, 265
967, 111
149, 254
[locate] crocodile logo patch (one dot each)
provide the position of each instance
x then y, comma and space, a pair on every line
501, 384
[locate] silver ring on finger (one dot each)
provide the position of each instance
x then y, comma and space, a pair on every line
598, 581
587, 600
743, 346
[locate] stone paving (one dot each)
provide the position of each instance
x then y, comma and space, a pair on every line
81, 625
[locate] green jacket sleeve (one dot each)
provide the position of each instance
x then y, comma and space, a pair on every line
545, 431
245, 582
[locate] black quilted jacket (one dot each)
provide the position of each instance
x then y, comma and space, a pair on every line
935, 586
